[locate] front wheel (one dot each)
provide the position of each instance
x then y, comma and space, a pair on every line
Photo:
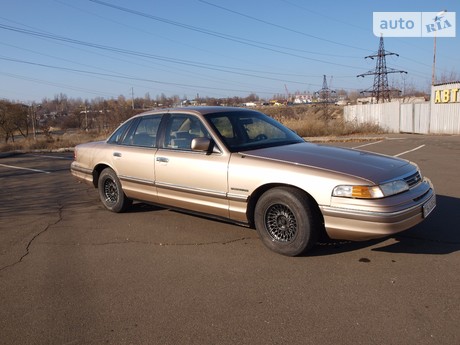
111, 193
286, 222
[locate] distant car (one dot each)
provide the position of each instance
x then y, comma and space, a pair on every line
241, 165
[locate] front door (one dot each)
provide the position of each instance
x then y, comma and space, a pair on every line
189, 179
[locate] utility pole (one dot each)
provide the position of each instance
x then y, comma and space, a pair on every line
433, 72
86, 118
33, 118
381, 91
132, 97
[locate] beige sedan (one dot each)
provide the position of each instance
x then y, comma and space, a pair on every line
243, 166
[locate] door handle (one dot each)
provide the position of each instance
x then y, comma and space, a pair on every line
162, 159
117, 154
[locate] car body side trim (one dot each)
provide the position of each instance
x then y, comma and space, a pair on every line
206, 192
136, 180
237, 197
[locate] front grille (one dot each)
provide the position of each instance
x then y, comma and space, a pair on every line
413, 180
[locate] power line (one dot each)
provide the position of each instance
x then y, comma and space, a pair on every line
316, 13
45, 82
251, 43
157, 57
276, 25
140, 54
122, 76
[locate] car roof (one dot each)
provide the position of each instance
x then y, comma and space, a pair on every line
202, 110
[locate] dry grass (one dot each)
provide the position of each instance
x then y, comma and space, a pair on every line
319, 121
321, 128
306, 121
51, 142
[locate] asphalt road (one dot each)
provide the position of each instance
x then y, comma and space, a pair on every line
73, 273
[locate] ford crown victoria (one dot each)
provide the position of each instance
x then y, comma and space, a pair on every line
243, 166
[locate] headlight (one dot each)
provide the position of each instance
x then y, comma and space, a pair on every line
371, 192
394, 187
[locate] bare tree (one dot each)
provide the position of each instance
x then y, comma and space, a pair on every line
448, 77
13, 118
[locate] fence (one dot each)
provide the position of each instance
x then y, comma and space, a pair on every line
439, 116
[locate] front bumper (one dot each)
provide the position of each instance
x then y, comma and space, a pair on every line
362, 225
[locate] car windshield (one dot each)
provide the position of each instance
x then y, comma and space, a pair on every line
249, 130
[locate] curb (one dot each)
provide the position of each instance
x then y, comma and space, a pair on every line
21, 152
342, 139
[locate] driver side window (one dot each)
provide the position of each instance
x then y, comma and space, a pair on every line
181, 130
257, 129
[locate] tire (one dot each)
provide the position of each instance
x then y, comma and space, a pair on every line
286, 221
111, 193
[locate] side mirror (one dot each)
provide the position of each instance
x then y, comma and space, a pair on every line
201, 144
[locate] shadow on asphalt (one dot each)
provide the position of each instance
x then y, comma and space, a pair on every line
439, 234
139, 207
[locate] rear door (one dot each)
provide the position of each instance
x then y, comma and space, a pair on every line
134, 158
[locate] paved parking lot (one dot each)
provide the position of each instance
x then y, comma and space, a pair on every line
73, 273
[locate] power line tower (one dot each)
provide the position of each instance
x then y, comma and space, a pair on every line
381, 92
325, 95
325, 98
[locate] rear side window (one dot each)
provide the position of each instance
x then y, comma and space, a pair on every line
116, 137
144, 133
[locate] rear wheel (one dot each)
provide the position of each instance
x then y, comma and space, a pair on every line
111, 193
286, 221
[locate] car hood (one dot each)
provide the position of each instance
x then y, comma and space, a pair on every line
370, 166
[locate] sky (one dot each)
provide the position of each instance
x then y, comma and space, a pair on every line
92, 49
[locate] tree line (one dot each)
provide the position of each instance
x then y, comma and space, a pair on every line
99, 114
61, 112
